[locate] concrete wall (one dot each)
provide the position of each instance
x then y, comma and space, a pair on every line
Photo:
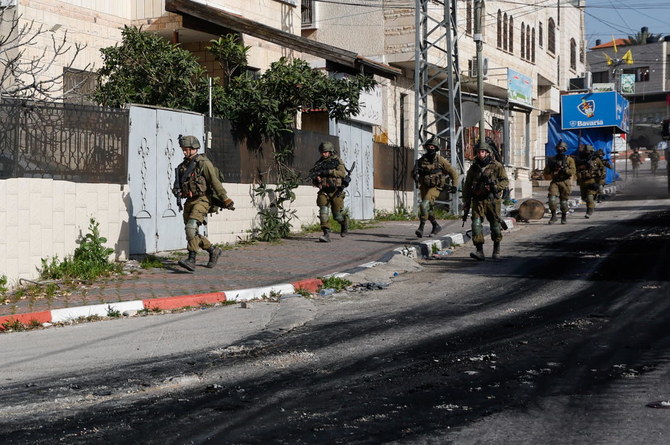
43, 218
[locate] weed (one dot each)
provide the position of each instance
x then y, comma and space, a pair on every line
152, 262
113, 313
400, 214
14, 325
434, 248
34, 324
89, 261
354, 224
303, 292
3, 284
336, 283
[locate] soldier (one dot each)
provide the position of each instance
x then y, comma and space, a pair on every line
197, 180
589, 172
327, 174
561, 168
601, 183
484, 183
654, 158
636, 160
429, 175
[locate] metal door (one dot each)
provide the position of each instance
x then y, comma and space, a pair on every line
155, 222
356, 144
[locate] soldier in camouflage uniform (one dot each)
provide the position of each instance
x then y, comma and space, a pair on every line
589, 173
561, 168
429, 174
654, 157
484, 184
606, 164
327, 174
197, 181
636, 160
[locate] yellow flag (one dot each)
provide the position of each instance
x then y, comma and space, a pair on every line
614, 44
609, 59
628, 57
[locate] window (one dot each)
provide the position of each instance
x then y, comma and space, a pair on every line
532, 45
641, 73
573, 54
523, 41
529, 51
551, 37
540, 37
505, 32
499, 30
308, 16
468, 17
601, 77
581, 52
511, 34
78, 85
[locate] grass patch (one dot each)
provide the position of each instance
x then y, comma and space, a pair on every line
152, 262
336, 283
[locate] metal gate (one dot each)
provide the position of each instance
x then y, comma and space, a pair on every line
153, 154
356, 144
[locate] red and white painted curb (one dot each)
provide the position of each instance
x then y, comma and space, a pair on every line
165, 303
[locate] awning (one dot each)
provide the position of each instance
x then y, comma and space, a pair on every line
194, 12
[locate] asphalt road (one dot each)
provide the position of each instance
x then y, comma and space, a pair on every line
564, 340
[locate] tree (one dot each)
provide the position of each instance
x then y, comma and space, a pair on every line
28, 76
147, 69
640, 38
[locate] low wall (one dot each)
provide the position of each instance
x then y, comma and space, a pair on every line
44, 218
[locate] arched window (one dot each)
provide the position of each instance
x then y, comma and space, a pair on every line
529, 49
551, 37
499, 30
532, 45
511, 34
505, 31
540, 36
523, 41
468, 17
573, 54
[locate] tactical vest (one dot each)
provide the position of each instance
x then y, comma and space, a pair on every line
559, 168
483, 185
329, 183
587, 170
430, 173
191, 179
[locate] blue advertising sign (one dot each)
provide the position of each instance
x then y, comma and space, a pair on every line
594, 110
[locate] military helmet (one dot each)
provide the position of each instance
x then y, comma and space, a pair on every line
484, 146
562, 144
600, 152
189, 141
326, 146
589, 148
435, 142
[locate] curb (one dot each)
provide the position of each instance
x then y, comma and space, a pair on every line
423, 250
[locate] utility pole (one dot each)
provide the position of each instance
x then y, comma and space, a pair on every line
479, 40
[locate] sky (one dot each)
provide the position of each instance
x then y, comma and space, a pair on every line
620, 18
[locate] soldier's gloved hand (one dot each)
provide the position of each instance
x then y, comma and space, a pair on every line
229, 204
176, 192
452, 189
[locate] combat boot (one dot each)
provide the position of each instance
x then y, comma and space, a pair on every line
214, 254
589, 212
496, 250
553, 218
189, 263
325, 238
479, 253
436, 228
419, 232
564, 217
344, 226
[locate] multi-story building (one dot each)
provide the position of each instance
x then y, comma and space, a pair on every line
642, 74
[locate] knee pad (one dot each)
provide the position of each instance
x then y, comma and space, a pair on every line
323, 214
564, 206
424, 207
191, 229
553, 199
477, 227
496, 231
338, 216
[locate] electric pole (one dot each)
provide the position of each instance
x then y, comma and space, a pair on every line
479, 39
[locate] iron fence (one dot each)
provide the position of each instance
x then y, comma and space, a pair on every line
72, 142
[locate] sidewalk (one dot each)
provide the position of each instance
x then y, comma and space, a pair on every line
243, 273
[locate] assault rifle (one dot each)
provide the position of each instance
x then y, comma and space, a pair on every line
176, 189
491, 185
322, 167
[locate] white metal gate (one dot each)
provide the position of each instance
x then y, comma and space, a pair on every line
153, 154
356, 144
